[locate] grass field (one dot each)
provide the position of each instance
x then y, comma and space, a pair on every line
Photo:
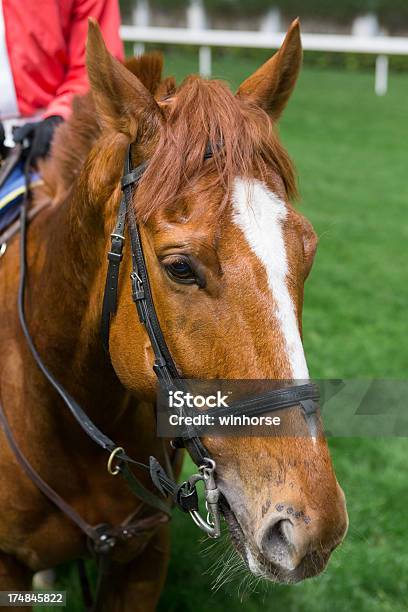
350, 148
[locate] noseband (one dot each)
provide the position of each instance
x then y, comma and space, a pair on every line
169, 378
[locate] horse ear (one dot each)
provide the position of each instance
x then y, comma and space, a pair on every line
121, 100
272, 84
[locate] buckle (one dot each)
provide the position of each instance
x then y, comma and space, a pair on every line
138, 292
116, 257
104, 540
115, 254
138, 295
118, 236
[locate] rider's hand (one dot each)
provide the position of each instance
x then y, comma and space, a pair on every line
39, 134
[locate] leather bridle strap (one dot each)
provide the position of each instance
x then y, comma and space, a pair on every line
277, 399
81, 417
110, 297
164, 366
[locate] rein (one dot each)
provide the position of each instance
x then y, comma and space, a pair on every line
103, 538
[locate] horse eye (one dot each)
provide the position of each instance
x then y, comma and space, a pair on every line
180, 270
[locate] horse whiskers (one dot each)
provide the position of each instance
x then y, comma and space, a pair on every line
217, 565
224, 562
210, 546
232, 566
247, 585
229, 566
227, 576
226, 581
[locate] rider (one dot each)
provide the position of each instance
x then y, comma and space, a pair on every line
42, 64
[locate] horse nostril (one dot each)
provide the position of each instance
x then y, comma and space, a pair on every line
275, 535
278, 544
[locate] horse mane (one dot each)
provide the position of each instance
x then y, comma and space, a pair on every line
199, 114
243, 140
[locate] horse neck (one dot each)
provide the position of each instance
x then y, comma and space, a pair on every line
67, 255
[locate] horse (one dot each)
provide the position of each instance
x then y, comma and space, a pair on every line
227, 255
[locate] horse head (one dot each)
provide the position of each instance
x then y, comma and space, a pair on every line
227, 255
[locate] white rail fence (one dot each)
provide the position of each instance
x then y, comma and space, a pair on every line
381, 46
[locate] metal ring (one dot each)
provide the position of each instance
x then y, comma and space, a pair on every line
114, 470
208, 468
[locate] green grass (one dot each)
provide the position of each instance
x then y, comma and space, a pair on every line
350, 148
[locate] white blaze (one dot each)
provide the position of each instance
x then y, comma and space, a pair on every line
260, 214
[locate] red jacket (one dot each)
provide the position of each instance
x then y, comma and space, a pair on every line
46, 47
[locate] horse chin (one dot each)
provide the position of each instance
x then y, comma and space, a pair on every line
312, 564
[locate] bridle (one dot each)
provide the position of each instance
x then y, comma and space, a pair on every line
164, 367
184, 496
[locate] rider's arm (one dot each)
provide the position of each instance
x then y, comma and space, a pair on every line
106, 12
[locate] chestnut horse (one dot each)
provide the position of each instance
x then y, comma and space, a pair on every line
227, 256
